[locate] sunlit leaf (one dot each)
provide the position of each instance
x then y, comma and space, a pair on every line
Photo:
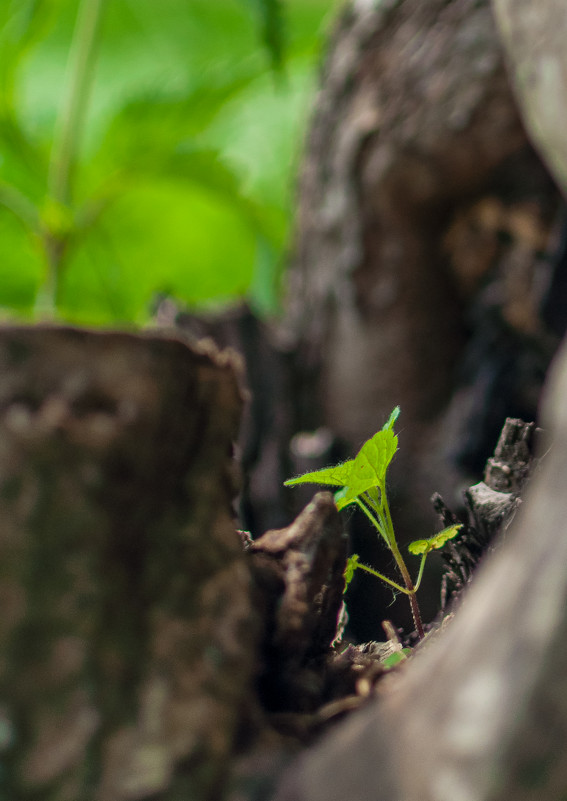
368, 469
342, 498
336, 476
364, 473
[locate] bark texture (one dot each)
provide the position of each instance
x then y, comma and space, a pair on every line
128, 635
306, 560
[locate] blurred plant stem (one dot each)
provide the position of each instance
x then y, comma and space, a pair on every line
57, 218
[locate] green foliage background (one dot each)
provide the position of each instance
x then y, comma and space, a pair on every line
184, 175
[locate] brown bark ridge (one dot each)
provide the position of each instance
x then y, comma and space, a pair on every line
128, 634
423, 213
480, 712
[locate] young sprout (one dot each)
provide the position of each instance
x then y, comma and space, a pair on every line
362, 481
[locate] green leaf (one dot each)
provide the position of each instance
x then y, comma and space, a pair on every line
339, 496
437, 541
392, 419
151, 125
345, 497
368, 470
363, 473
336, 476
351, 566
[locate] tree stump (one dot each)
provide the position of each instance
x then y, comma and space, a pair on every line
127, 635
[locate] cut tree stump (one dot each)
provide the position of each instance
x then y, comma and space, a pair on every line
127, 635
144, 652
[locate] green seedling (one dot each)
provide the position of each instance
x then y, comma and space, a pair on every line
362, 482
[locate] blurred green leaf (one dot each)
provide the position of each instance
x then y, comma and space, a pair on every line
160, 237
183, 180
271, 14
22, 23
157, 122
18, 285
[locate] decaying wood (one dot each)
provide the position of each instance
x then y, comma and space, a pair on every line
268, 421
127, 634
490, 507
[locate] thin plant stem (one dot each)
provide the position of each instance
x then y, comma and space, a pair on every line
386, 529
69, 128
82, 57
420, 573
372, 519
393, 584
411, 592
416, 614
